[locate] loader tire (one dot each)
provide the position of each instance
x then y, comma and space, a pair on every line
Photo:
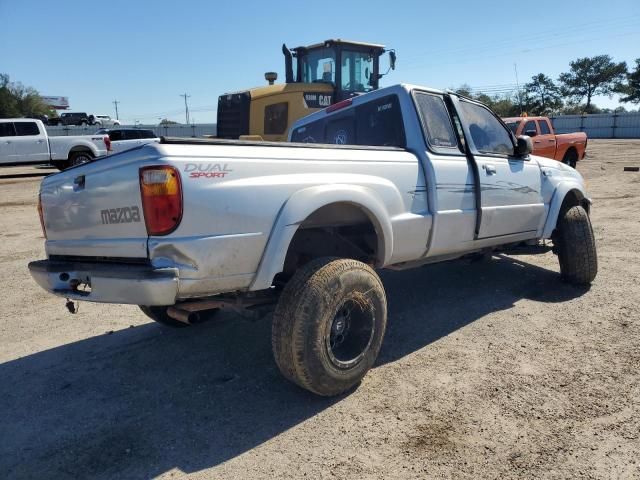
329, 324
576, 247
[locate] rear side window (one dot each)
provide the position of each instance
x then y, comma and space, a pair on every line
24, 129
436, 122
487, 133
6, 130
380, 123
544, 127
276, 118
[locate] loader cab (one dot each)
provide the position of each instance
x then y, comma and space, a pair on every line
316, 76
350, 68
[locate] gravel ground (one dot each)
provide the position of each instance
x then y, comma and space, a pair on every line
494, 369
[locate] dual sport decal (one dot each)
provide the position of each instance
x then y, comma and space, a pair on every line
207, 170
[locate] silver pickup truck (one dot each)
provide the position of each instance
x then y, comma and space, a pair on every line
397, 178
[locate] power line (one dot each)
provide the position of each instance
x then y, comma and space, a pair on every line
186, 107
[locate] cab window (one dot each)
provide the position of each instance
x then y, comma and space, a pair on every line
6, 130
319, 66
530, 128
26, 129
487, 133
356, 72
436, 122
309, 133
544, 127
341, 130
380, 123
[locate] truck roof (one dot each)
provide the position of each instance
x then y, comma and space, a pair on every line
398, 89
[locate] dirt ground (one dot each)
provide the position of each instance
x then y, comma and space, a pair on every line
491, 370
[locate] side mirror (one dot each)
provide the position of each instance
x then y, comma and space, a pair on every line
530, 133
392, 59
524, 146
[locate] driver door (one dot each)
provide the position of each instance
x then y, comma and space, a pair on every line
510, 186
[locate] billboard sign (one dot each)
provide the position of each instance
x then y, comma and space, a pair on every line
59, 103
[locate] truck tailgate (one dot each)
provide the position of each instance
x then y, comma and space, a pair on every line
95, 210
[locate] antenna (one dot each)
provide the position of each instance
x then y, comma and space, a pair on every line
515, 69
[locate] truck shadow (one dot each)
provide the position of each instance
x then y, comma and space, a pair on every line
143, 401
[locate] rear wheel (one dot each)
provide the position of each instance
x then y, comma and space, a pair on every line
329, 325
570, 158
576, 247
77, 158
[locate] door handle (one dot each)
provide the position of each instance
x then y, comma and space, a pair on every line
490, 169
537, 141
40, 141
551, 140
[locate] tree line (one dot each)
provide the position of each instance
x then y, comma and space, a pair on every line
17, 100
571, 93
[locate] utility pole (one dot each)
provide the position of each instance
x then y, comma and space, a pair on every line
116, 102
186, 107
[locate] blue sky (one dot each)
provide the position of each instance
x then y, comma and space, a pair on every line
145, 54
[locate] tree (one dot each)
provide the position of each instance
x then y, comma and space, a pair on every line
543, 95
166, 121
591, 76
16, 100
632, 87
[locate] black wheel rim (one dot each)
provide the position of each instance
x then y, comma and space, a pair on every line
350, 333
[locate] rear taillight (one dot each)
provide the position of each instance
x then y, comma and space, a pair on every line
107, 142
41, 215
161, 199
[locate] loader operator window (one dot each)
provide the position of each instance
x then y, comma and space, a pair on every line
319, 66
357, 71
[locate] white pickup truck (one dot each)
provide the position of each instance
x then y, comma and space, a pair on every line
24, 141
190, 225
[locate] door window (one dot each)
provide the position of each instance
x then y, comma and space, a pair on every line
357, 71
319, 66
6, 130
544, 127
487, 133
530, 128
24, 129
436, 122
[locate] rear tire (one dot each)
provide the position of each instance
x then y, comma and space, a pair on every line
329, 325
570, 158
576, 247
78, 158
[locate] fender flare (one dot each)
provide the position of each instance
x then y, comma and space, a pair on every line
557, 200
302, 204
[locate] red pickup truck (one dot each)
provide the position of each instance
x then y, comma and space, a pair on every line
566, 147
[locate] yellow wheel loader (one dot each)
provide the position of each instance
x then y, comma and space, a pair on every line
324, 74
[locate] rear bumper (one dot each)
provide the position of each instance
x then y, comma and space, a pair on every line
107, 283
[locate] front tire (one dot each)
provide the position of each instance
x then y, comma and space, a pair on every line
576, 247
329, 325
